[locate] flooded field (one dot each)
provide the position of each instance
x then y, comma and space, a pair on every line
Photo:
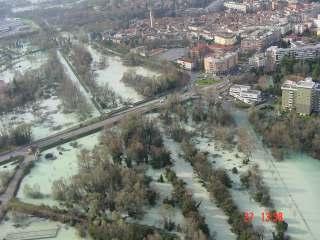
46, 117
17, 224
112, 74
63, 164
293, 186
23, 64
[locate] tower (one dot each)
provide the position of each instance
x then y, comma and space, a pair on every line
151, 18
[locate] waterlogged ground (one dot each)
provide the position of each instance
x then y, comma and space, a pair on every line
302, 174
294, 186
45, 117
113, 73
36, 224
47, 171
228, 159
22, 65
154, 216
214, 216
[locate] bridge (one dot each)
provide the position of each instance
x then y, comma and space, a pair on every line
76, 132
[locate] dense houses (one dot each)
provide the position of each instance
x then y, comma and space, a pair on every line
215, 41
302, 96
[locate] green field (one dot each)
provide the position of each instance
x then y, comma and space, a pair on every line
206, 81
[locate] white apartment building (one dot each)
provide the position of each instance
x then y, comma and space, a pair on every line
245, 94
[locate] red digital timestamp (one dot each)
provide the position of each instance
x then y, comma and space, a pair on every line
274, 217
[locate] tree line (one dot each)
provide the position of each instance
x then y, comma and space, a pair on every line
297, 133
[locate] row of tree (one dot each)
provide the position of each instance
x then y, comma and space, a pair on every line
197, 228
15, 136
217, 183
82, 61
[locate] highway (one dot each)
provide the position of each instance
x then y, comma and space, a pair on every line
82, 130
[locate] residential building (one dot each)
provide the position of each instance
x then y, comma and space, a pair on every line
260, 39
225, 38
245, 94
220, 63
299, 51
302, 96
186, 63
257, 60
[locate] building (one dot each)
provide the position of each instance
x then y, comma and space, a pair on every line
225, 38
257, 60
260, 40
245, 94
220, 63
298, 51
302, 96
185, 63
242, 7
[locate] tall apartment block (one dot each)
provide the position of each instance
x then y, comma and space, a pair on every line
220, 63
302, 96
275, 54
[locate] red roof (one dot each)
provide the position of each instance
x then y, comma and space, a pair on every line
200, 47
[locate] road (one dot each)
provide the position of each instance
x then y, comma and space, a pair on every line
14, 184
80, 131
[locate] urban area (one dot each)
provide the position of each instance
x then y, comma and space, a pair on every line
160, 119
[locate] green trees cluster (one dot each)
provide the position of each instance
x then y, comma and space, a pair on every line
304, 68
15, 136
32, 191
123, 231
169, 79
101, 185
197, 228
297, 133
137, 141
21, 90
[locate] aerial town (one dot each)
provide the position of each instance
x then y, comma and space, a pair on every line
159, 119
